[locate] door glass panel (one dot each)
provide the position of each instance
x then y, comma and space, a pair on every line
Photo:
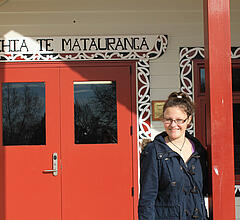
202, 80
23, 113
236, 128
236, 79
95, 112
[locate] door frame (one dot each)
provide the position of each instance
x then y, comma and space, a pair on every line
132, 64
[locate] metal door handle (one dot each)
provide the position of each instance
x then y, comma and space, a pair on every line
54, 165
49, 171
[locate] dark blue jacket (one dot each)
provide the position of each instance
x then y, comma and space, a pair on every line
170, 188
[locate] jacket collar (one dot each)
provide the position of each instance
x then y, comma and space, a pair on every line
168, 152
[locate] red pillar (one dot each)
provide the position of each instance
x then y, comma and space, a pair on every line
217, 44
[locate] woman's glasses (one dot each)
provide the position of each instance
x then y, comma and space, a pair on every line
177, 121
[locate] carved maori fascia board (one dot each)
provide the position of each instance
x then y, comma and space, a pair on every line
187, 55
143, 73
152, 47
235, 52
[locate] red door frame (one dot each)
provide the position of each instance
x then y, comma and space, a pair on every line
201, 131
134, 121
217, 43
200, 102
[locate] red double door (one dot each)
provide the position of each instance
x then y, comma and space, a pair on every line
66, 149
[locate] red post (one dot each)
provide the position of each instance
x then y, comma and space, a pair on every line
217, 44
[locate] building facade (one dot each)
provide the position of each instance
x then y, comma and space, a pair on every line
80, 83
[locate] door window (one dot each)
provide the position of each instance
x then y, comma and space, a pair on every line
236, 126
95, 112
23, 111
236, 79
202, 80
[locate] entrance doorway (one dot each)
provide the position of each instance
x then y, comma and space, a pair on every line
67, 146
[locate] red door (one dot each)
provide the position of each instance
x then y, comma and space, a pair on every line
97, 172
86, 116
27, 192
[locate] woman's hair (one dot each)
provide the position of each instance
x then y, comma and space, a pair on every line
181, 100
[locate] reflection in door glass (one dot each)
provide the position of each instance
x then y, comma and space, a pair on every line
236, 130
202, 80
95, 112
23, 113
235, 79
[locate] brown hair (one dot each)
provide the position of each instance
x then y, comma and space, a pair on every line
181, 100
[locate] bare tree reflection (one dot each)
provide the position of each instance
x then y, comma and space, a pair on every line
96, 119
23, 116
86, 124
105, 99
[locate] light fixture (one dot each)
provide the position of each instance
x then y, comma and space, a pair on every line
92, 82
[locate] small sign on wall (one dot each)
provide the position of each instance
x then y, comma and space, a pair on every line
157, 110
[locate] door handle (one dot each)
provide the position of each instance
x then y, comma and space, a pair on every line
54, 165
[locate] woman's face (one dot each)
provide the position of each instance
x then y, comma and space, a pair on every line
175, 122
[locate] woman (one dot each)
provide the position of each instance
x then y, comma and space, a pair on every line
173, 168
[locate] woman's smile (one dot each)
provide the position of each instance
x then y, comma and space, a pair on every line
175, 122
